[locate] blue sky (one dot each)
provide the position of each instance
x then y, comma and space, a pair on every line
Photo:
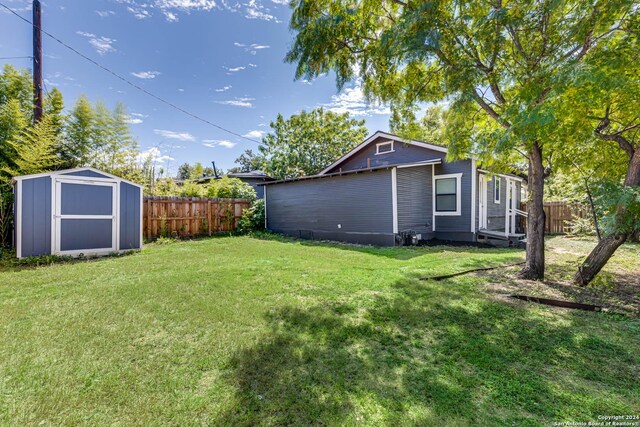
220, 60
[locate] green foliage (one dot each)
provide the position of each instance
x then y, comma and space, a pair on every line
428, 128
230, 188
621, 207
191, 189
249, 162
35, 149
304, 143
498, 66
253, 218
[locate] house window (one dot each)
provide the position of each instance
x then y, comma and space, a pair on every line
496, 189
384, 147
446, 193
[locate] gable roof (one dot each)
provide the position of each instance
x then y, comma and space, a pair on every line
389, 136
68, 171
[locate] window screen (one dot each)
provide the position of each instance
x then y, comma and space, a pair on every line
496, 188
385, 148
446, 195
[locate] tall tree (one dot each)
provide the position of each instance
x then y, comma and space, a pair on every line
78, 143
602, 96
35, 149
249, 161
428, 128
305, 143
495, 62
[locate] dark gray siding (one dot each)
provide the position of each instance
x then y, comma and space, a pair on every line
88, 173
456, 227
415, 200
36, 217
129, 216
403, 153
352, 208
253, 182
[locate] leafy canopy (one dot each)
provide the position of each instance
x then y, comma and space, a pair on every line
305, 143
495, 63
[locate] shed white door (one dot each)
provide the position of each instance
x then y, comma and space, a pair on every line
85, 219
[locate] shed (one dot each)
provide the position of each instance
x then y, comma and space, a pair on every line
76, 212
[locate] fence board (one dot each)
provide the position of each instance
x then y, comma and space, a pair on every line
190, 216
559, 216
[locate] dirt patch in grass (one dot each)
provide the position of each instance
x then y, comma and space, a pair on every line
617, 287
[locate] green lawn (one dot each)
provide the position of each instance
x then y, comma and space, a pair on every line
243, 331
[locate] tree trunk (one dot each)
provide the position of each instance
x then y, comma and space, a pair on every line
598, 258
606, 247
534, 267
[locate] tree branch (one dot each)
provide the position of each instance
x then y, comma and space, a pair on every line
487, 108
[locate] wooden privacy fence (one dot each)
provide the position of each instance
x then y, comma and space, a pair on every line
190, 216
560, 216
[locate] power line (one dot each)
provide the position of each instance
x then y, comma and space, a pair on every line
16, 57
130, 83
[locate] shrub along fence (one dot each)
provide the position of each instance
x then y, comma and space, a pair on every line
560, 216
190, 216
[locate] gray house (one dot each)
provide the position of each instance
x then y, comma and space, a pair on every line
254, 179
390, 191
76, 212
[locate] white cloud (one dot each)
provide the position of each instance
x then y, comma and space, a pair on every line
224, 89
133, 121
251, 48
105, 13
169, 134
255, 10
213, 143
102, 45
146, 75
139, 13
155, 154
255, 134
234, 69
170, 16
238, 102
352, 100
144, 116
281, 2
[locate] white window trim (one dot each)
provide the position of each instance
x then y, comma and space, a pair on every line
458, 211
496, 181
384, 143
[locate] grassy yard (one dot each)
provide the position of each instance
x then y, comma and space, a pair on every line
243, 331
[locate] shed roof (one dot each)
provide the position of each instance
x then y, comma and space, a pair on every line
68, 171
252, 174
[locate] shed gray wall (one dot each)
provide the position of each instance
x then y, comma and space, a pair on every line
312, 209
457, 227
129, 216
36, 217
403, 153
415, 200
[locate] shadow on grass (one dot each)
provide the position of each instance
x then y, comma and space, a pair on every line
428, 354
394, 252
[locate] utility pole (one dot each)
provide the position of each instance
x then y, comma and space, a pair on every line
37, 61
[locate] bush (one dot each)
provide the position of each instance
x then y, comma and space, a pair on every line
231, 188
252, 219
191, 189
